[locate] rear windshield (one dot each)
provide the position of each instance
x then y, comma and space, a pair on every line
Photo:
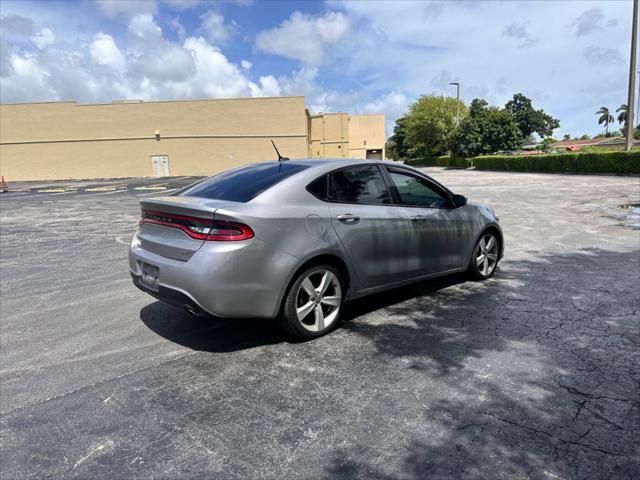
243, 184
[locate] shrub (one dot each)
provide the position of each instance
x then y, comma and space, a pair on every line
444, 161
591, 162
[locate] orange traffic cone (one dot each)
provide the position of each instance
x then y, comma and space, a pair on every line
3, 186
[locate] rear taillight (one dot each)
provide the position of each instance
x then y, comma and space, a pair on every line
199, 228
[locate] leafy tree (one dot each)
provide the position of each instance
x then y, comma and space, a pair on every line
566, 137
636, 132
606, 118
622, 111
397, 147
545, 144
429, 123
485, 130
585, 137
529, 119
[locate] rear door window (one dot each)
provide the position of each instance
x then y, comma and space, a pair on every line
360, 184
244, 183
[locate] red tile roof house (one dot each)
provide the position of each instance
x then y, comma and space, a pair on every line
612, 143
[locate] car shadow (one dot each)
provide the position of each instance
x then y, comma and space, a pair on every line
212, 334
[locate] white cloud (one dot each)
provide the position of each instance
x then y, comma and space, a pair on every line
144, 25
123, 8
6, 52
44, 38
519, 32
181, 4
592, 20
152, 56
215, 29
397, 46
301, 82
268, 87
177, 27
16, 25
215, 76
104, 51
388, 52
597, 55
170, 63
305, 37
143, 65
392, 104
28, 81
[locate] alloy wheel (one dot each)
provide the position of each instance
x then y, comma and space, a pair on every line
487, 254
318, 300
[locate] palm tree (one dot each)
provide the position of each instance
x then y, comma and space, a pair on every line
622, 115
606, 118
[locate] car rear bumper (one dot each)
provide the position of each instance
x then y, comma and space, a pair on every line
169, 295
225, 279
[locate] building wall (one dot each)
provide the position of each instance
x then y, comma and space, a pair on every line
339, 135
366, 132
65, 140
329, 135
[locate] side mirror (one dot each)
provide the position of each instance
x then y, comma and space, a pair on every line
459, 200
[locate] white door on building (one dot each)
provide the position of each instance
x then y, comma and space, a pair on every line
160, 165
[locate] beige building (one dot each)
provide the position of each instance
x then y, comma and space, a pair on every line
340, 135
66, 140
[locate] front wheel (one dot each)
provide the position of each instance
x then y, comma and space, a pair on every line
484, 259
313, 304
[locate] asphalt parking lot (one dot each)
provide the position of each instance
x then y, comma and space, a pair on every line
532, 374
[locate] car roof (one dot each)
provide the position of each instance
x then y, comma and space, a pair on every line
321, 162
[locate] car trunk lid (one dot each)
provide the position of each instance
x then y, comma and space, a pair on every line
171, 226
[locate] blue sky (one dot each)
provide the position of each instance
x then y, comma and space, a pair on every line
570, 57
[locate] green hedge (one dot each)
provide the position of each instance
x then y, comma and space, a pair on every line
596, 162
445, 161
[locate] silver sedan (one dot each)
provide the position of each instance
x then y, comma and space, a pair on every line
294, 240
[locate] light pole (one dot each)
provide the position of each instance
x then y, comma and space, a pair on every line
457, 84
638, 101
632, 77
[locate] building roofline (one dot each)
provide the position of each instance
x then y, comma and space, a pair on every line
137, 102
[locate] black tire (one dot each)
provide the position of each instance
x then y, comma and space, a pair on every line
479, 270
288, 318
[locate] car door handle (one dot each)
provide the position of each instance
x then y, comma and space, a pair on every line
348, 218
418, 218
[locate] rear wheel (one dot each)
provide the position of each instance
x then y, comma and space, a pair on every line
484, 259
314, 302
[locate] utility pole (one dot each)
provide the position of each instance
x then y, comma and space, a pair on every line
632, 77
457, 84
638, 100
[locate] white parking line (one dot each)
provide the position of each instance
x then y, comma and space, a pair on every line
105, 188
14, 194
105, 193
64, 193
157, 193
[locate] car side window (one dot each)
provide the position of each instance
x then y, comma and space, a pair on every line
319, 187
415, 191
360, 184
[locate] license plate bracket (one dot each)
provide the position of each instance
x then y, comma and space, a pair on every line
149, 275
